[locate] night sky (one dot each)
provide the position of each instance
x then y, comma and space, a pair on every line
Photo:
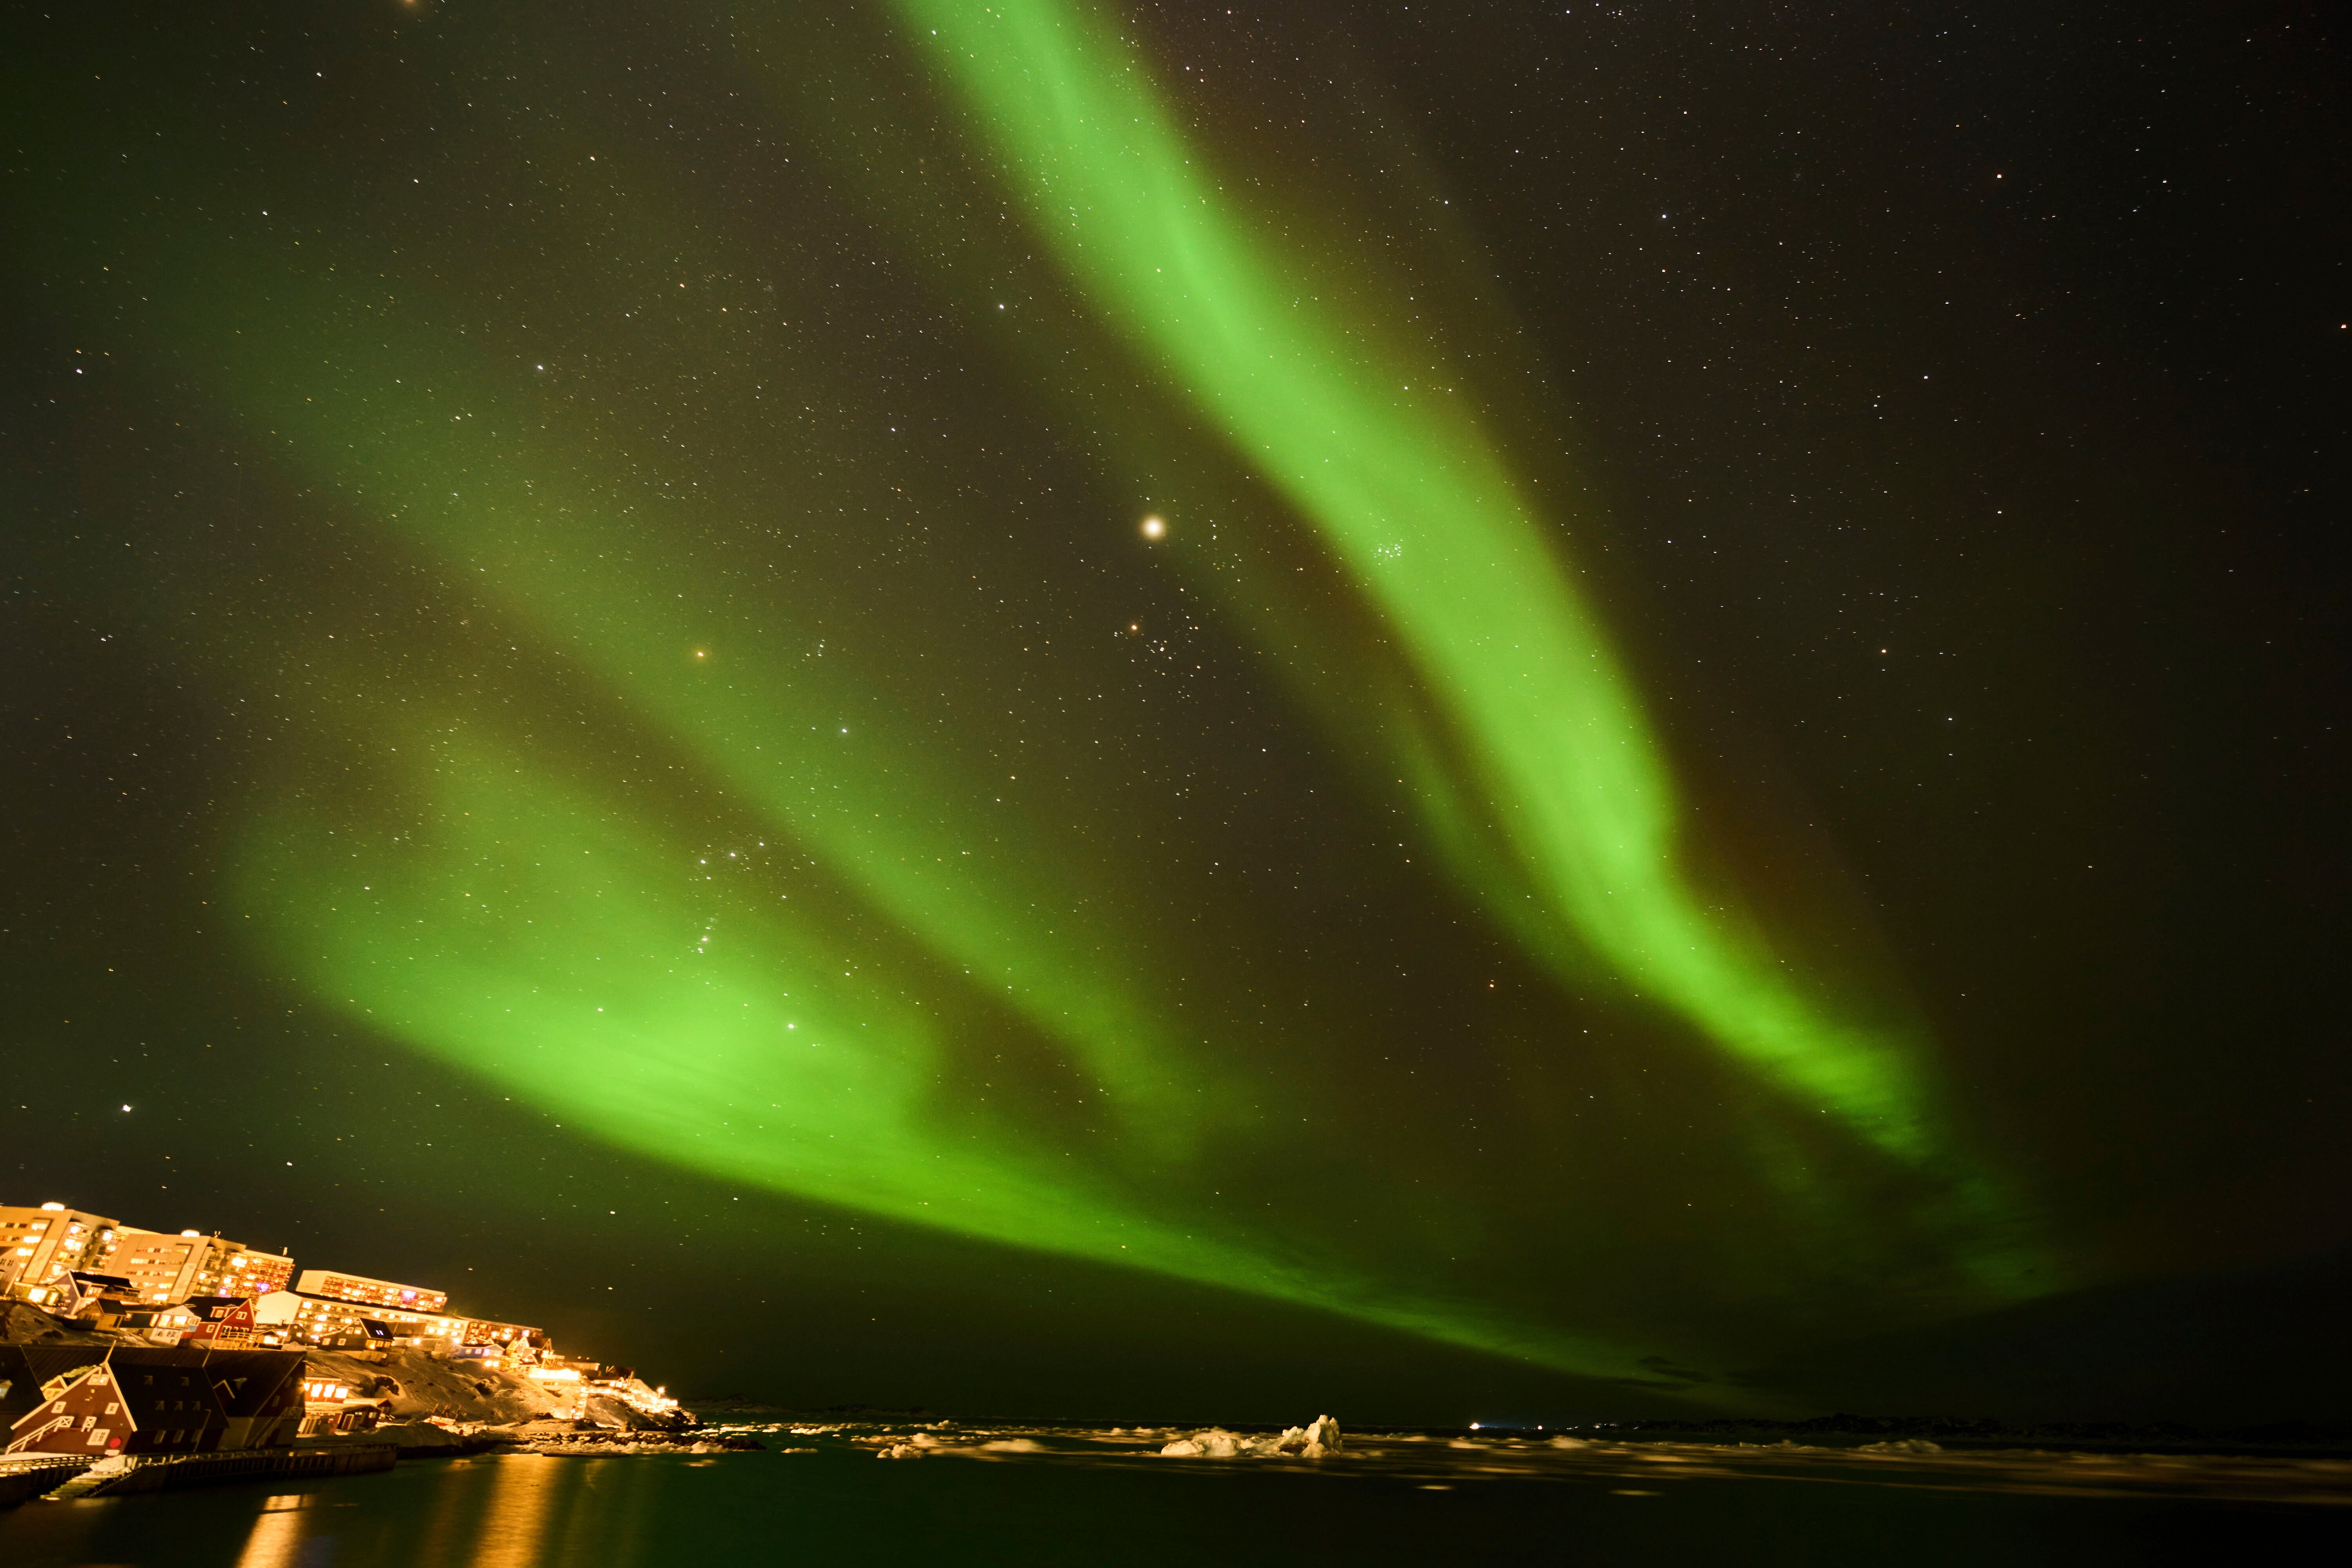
1540, 712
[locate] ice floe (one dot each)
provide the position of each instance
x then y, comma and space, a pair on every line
1314, 1441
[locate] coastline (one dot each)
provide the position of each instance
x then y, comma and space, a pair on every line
357, 1411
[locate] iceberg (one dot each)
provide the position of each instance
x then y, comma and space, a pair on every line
1316, 1440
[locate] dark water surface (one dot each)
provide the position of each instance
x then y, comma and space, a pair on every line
1072, 1500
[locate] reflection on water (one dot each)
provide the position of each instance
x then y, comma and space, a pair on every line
515, 1524
448, 1521
276, 1540
509, 1511
1051, 1495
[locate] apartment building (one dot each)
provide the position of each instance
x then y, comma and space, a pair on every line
37, 1243
369, 1293
175, 1268
513, 1337
298, 1318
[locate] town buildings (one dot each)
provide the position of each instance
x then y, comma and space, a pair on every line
219, 1299
169, 1289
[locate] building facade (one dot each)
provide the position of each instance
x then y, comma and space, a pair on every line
332, 1404
260, 1393
225, 1322
298, 1318
332, 1322
513, 1337
39, 1243
92, 1400
369, 1293
174, 1267
157, 1324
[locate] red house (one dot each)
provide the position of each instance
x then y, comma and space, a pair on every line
225, 1322
130, 1409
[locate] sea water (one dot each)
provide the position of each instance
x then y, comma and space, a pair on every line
1064, 1495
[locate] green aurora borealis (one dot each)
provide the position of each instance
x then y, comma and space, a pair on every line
473, 893
716, 694
1425, 517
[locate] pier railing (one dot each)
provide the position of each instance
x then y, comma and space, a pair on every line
24, 1476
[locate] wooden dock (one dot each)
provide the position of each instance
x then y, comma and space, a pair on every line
170, 1472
